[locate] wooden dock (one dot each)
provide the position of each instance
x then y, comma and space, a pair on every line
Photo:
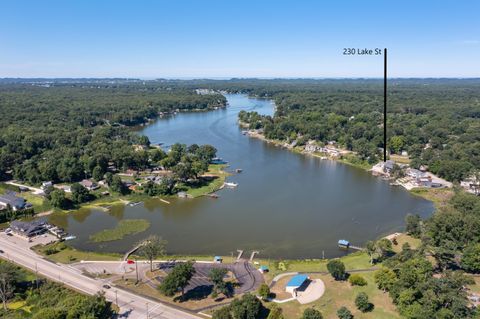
355, 247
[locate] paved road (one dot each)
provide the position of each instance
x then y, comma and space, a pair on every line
131, 306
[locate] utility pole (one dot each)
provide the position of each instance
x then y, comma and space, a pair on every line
147, 309
116, 298
36, 274
385, 104
136, 269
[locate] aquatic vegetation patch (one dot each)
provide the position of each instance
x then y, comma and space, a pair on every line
124, 227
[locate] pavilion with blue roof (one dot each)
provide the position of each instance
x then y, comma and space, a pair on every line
296, 282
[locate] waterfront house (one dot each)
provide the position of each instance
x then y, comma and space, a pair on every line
28, 229
424, 181
65, 188
296, 282
414, 173
89, 184
311, 146
129, 172
10, 199
388, 166
46, 185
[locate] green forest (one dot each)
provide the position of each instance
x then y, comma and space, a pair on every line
26, 296
436, 121
64, 132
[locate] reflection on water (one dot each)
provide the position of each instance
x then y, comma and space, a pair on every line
286, 205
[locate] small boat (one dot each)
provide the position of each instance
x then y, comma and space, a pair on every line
70, 237
218, 160
239, 170
244, 132
214, 196
230, 184
134, 204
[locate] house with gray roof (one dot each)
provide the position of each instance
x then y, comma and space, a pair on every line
10, 199
29, 229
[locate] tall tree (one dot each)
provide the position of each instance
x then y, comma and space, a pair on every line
336, 268
217, 277
152, 247
8, 279
177, 279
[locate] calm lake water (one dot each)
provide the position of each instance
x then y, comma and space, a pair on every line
287, 205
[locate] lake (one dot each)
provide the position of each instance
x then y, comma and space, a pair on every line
287, 205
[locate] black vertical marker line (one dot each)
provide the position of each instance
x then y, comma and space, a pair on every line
385, 104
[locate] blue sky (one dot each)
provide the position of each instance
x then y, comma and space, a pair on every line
207, 38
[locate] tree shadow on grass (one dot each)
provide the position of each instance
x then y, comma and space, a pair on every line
197, 293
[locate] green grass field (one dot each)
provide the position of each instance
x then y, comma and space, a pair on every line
341, 293
213, 185
124, 227
358, 260
62, 253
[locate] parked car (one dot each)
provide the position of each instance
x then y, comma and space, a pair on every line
106, 286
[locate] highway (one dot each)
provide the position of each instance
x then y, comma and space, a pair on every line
131, 306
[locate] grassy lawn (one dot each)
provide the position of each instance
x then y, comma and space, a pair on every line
124, 227
439, 196
6, 187
341, 293
404, 238
216, 171
400, 159
61, 253
40, 203
358, 260
196, 302
353, 160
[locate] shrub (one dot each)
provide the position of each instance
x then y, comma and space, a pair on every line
357, 280
311, 313
344, 313
337, 269
264, 291
362, 302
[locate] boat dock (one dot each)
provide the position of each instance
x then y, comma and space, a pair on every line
345, 244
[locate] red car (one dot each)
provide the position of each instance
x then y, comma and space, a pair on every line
130, 262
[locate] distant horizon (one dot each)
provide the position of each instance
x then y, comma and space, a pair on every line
186, 78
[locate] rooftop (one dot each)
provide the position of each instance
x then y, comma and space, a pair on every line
12, 200
297, 280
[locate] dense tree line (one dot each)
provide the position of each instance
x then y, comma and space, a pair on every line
67, 132
435, 121
47, 300
424, 289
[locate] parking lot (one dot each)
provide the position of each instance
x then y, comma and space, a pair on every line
247, 277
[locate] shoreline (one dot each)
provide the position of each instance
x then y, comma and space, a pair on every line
425, 193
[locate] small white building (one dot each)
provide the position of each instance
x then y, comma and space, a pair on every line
296, 282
